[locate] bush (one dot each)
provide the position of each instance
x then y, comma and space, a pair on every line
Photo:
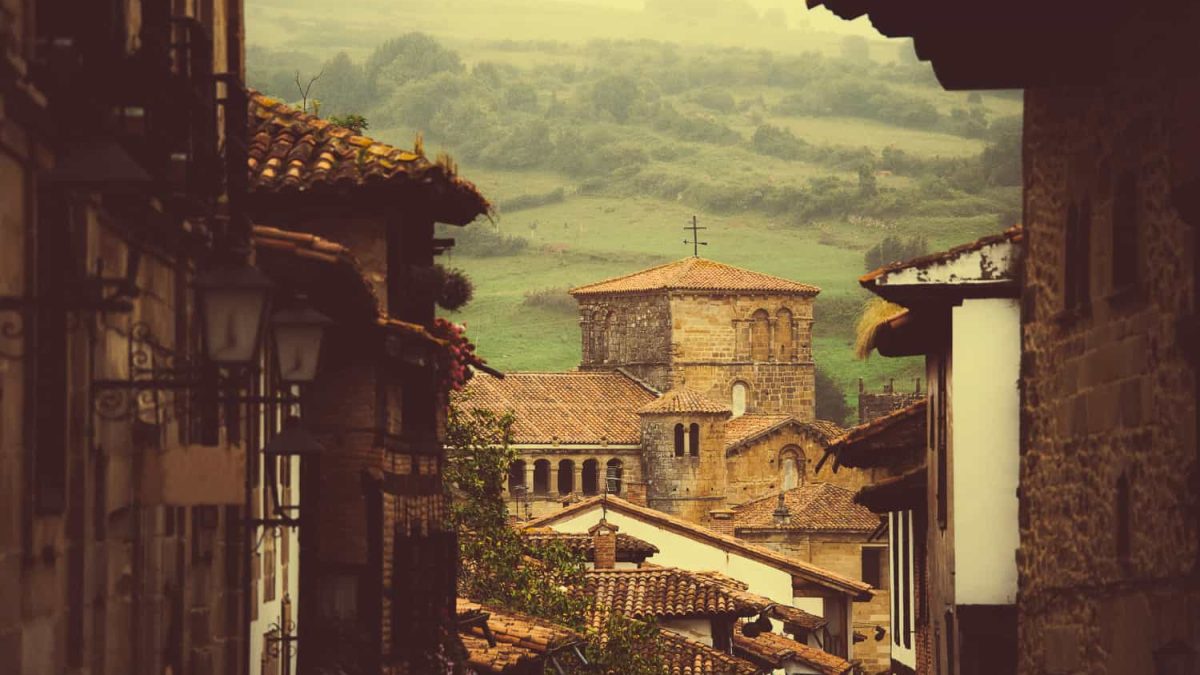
892, 249
830, 400
486, 242
553, 299
714, 98
521, 202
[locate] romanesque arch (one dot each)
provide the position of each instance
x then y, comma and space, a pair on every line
590, 477
566, 477
613, 475
694, 440
541, 477
739, 396
516, 476
680, 433
791, 467
760, 336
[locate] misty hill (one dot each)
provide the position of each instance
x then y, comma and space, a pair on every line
805, 164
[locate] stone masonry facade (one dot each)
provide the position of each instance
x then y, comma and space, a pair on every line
1109, 514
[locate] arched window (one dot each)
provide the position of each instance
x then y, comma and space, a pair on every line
566, 477
613, 476
591, 477
785, 347
679, 433
740, 392
541, 477
760, 336
694, 440
516, 476
791, 467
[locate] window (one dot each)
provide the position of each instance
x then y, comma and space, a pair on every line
541, 476
614, 476
874, 566
338, 596
591, 477
760, 336
516, 476
1077, 257
791, 467
694, 440
679, 434
739, 399
784, 346
1125, 232
566, 477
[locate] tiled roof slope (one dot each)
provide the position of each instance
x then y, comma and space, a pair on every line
520, 639
775, 650
868, 443
726, 542
667, 592
696, 274
818, 507
294, 152
682, 656
745, 428
629, 547
570, 408
683, 400
331, 276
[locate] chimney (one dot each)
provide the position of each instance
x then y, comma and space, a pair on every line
781, 514
604, 541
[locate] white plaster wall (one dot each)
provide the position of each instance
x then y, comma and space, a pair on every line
966, 268
984, 407
699, 630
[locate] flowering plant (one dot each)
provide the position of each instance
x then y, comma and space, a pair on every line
454, 359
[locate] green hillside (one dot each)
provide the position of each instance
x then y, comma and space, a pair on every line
798, 149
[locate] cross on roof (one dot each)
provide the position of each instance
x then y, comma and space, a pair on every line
695, 240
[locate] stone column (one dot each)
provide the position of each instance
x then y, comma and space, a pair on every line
552, 488
529, 476
577, 487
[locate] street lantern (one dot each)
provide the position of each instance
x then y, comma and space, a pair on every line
233, 306
298, 334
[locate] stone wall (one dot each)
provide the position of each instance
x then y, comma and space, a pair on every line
686, 486
536, 503
628, 331
873, 405
1109, 510
754, 470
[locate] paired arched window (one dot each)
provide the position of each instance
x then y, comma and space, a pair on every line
694, 440
541, 477
760, 336
591, 477
613, 476
516, 476
739, 396
784, 340
791, 467
679, 438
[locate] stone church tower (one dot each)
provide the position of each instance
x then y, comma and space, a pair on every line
726, 333
683, 436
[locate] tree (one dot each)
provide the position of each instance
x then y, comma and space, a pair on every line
615, 95
413, 56
342, 87
497, 567
867, 186
831, 402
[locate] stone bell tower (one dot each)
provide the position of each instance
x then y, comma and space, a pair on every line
683, 453
731, 334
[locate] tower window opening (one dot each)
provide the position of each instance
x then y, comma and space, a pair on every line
694, 440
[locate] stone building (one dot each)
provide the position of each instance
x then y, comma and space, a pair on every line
695, 391
1109, 558
875, 404
821, 524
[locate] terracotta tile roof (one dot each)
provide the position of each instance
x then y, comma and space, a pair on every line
629, 547
683, 400
292, 152
521, 640
330, 275
815, 507
878, 442
896, 493
1015, 234
667, 592
799, 568
775, 650
696, 274
569, 408
682, 656
747, 428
